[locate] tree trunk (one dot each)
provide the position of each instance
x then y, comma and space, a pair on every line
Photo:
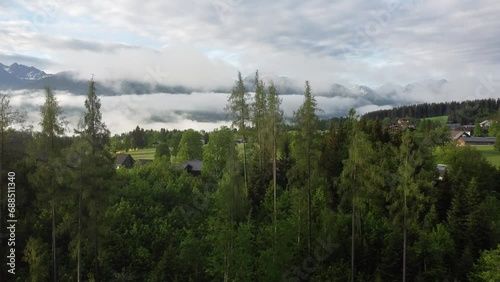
404, 241
245, 174
79, 259
96, 250
275, 194
352, 241
54, 256
352, 229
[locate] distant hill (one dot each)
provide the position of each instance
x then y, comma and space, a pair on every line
466, 112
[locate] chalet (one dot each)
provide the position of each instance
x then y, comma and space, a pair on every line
455, 134
476, 141
124, 160
193, 167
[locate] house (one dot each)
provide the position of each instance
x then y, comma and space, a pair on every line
124, 160
485, 123
193, 167
441, 168
476, 141
455, 134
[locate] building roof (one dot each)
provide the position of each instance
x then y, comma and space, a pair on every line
121, 158
455, 134
480, 139
196, 165
485, 123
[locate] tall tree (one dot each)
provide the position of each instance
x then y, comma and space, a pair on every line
259, 120
47, 149
275, 118
359, 177
405, 204
190, 146
98, 166
94, 129
305, 149
162, 150
239, 111
217, 152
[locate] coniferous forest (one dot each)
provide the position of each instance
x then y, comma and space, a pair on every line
356, 200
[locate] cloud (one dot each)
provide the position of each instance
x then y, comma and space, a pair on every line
203, 43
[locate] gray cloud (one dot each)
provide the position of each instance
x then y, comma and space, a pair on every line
203, 43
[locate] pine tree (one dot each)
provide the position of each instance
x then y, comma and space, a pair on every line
275, 117
47, 150
97, 165
239, 111
305, 149
359, 177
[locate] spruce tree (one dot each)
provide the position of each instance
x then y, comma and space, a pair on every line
238, 110
305, 149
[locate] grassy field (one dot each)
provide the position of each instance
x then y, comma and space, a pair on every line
492, 155
442, 119
144, 154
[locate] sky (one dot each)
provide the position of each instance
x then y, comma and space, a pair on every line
205, 42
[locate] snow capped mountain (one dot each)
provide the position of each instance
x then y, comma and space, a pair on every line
24, 72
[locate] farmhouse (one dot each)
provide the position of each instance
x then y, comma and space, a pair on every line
462, 141
455, 134
124, 160
193, 167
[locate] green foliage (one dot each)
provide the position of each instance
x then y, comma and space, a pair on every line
497, 142
217, 152
190, 146
487, 268
94, 129
354, 201
478, 132
162, 151
37, 255
494, 129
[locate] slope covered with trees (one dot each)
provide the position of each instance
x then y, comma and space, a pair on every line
466, 112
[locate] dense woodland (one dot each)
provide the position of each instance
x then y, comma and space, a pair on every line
466, 112
355, 202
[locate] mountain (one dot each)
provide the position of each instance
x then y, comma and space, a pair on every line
19, 77
16, 76
24, 72
66, 81
7, 80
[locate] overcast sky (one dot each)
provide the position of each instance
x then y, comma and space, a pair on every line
205, 42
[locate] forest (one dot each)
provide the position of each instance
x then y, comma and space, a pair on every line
355, 201
466, 112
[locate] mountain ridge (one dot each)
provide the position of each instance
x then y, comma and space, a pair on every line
21, 77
